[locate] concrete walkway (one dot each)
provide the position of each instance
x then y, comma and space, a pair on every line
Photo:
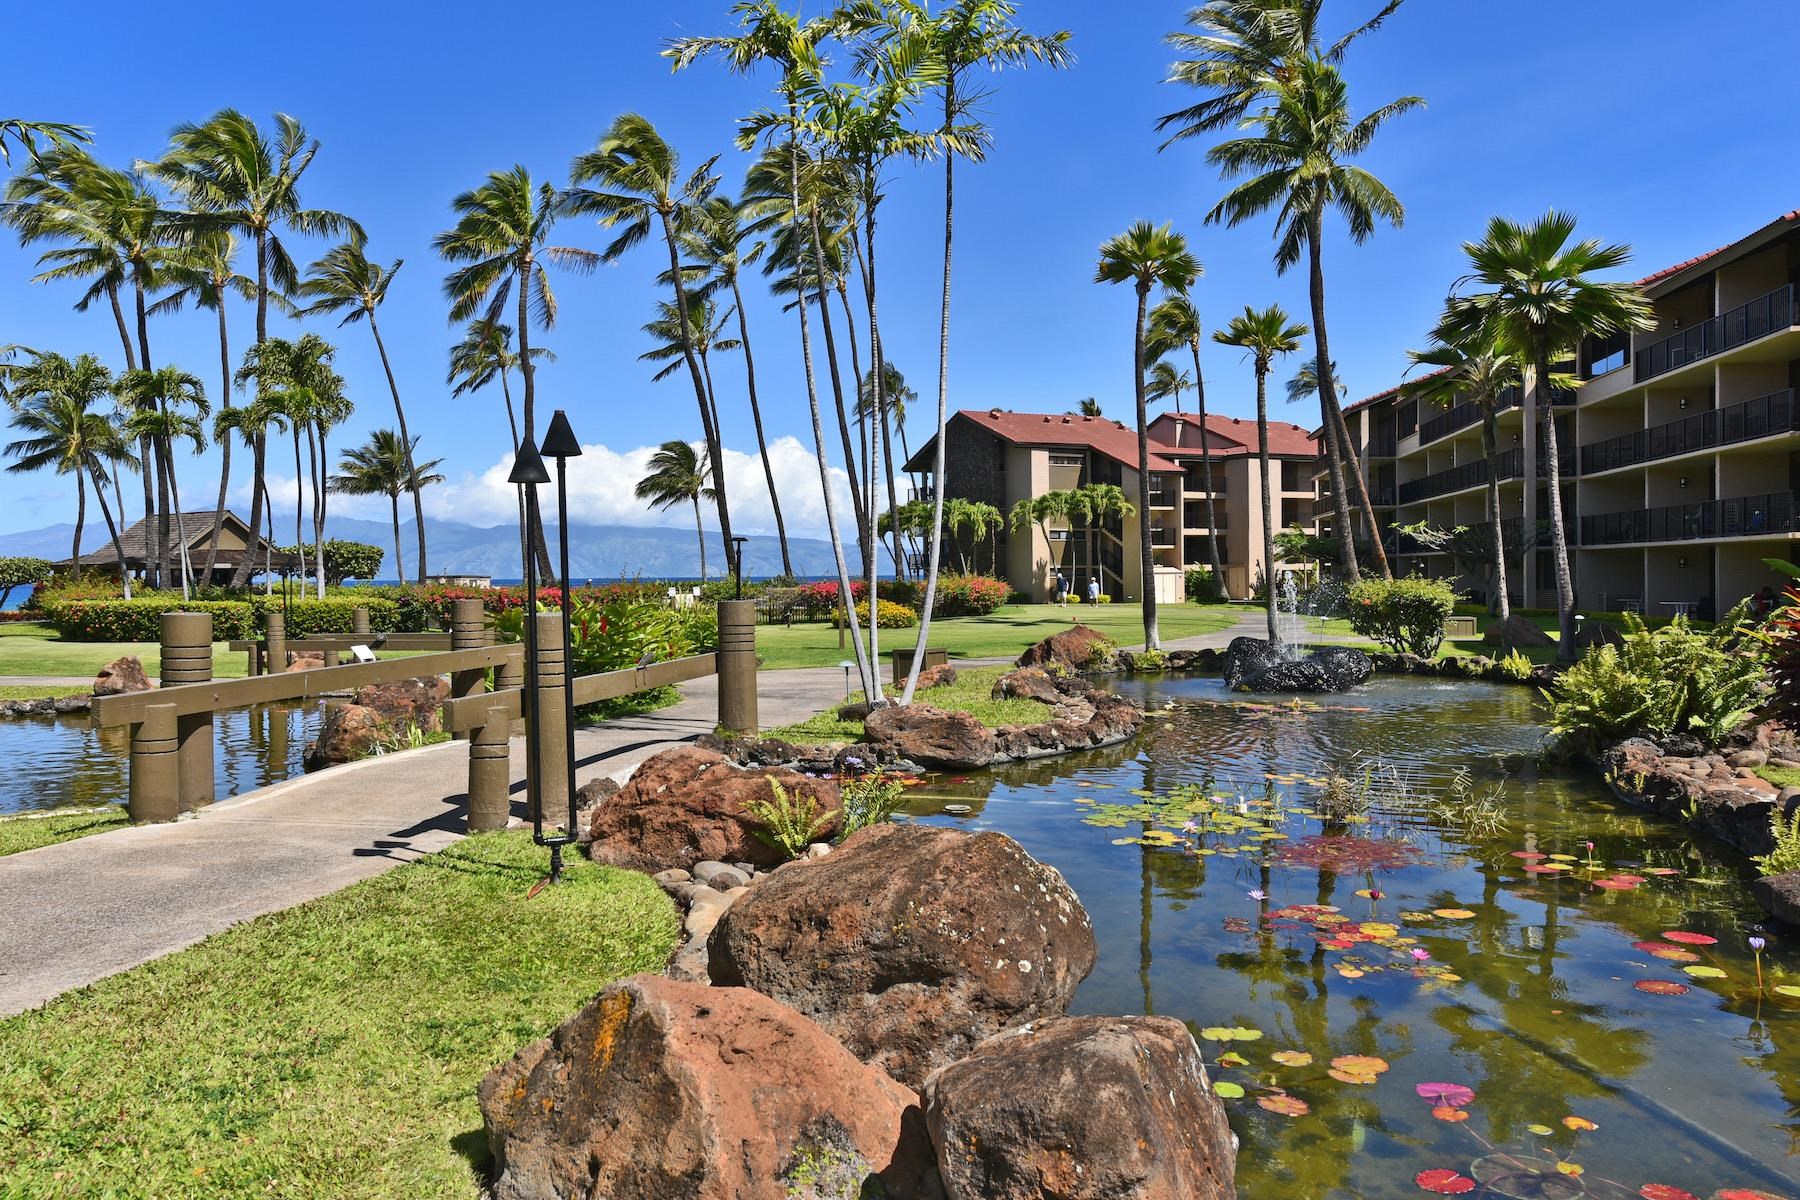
82, 910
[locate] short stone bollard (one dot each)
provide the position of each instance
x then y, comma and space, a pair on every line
737, 666
468, 631
274, 643
359, 621
187, 659
155, 767
490, 772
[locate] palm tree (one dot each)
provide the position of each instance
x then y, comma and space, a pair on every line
382, 466
1174, 322
1296, 160
154, 401
1167, 382
1264, 334
1147, 257
677, 476
889, 397
1040, 510
237, 178
346, 281
964, 35
251, 423
1543, 302
484, 355
53, 400
299, 391
639, 185
1479, 369
1094, 504
25, 134
207, 274
501, 233
720, 239
1090, 407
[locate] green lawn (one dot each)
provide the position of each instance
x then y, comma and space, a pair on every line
1004, 634
29, 831
39, 691
37, 650
971, 693
1781, 777
329, 1050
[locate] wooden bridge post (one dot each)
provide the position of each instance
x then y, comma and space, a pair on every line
359, 621
155, 767
490, 772
737, 666
274, 643
187, 658
548, 729
468, 630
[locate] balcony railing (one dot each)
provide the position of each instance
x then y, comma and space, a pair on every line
1381, 497
1758, 418
1715, 335
1382, 447
1161, 538
1744, 516
1162, 497
1511, 465
1513, 528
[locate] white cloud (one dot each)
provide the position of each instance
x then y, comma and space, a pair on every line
601, 485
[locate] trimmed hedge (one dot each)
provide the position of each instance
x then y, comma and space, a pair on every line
888, 615
140, 619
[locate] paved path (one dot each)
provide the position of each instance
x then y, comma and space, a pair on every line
82, 910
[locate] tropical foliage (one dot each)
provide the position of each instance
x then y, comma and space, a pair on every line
1405, 615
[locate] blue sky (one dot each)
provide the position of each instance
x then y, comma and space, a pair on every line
1657, 126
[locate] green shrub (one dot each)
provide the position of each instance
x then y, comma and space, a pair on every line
1676, 679
1405, 615
1785, 856
345, 560
140, 619
22, 572
888, 615
1514, 666
311, 617
788, 823
870, 800
957, 595
1203, 587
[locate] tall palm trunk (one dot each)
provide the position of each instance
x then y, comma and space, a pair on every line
118, 546
1206, 475
1146, 554
399, 557
80, 519
533, 513
299, 505
112, 530
700, 536
857, 499
156, 491
1353, 465
864, 668
1559, 542
118, 311
1490, 449
183, 561
512, 424
315, 465
1268, 512
709, 420
212, 552
872, 449
762, 444
1334, 458
259, 444
405, 443
934, 551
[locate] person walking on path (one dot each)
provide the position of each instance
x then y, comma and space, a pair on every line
1093, 589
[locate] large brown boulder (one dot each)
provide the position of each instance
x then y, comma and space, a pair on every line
687, 805
1077, 649
942, 675
408, 703
1517, 633
304, 660
911, 943
1780, 897
346, 733
1082, 1108
662, 1090
121, 675
1027, 683
933, 737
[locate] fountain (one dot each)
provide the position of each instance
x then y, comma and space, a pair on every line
1256, 665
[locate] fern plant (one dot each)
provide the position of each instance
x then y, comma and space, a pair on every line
1514, 666
1785, 856
787, 823
870, 800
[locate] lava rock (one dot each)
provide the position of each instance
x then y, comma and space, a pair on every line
911, 943
1592, 634
1519, 633
588, 798
667, 1090
408, 703
1082, 1108
347, 732
121, 675
1077, 649
1780, 897
687, 805
942, 675
1027, 683
1254, 665
1247, 658
935, 737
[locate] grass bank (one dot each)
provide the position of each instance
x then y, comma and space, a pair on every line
971, 693
332, 1049
39, 691
1002, 634
28, 831
37, 650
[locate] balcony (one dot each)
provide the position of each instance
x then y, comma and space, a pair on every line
1381, 497
1162, 538
1758, 418
1511, 465
1161, 497
1744, 516
1745, 323
1382, 447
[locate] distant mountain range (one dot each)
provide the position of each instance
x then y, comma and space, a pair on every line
595, 551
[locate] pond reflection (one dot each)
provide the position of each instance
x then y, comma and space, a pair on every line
56, 762
1483, 944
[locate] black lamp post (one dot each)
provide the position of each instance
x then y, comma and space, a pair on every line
561, 444
529, 471
737, 563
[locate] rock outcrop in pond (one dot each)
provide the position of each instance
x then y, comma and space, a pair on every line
1081, 717
910, 943
377, 712
1254, 665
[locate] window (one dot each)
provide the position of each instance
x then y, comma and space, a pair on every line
1067, 460
1409, 419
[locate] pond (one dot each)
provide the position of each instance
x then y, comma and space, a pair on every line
60, 761
1504, 1002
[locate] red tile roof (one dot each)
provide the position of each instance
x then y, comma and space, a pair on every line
1239, 434
1103, 436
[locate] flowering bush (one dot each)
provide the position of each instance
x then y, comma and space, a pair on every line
888, 615
820, 599
957, 595
1405, 615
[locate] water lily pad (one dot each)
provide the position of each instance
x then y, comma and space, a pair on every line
1786, 989
1444, 1112
1292, 1058
1521, 1177
1284, 1105
1705, 972
1578, 1124
1226, 1090
1675, 954
1615, 884
1690, 939
1546, 868
1231, 1058
1540, 1130
1444, 1182
1661, 987
1357, 1068
1453, 1094
1232, 1033
1662, 1191
1452, 914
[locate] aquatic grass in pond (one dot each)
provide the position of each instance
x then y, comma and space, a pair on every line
1423, 941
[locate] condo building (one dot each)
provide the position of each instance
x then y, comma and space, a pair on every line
999, 458
1679, 452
